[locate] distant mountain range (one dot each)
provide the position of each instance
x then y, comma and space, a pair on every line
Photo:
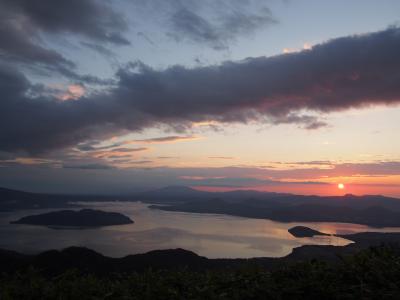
182, 194
373, 210
17, 200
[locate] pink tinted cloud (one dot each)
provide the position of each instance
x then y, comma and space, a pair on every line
73, 92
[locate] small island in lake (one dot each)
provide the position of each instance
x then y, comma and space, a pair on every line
302, 231
81, 218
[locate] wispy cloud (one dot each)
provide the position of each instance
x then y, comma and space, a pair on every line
301, 172
213, 23
129, 149
240, 182
187, 24
88, 166
168, 139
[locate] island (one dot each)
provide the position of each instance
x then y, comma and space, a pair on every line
80, 218
302, 231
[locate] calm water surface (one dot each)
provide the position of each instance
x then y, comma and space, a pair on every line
210, 235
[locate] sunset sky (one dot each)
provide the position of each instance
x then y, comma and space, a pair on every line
122, 96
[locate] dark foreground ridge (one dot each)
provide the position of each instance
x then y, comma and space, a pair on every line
310, 272
55, 261
81, 218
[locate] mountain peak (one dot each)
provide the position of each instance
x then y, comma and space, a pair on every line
177, 188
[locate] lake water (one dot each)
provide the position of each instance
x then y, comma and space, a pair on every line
210, 235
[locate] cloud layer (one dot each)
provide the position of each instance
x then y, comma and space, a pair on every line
102, 178
24, 22
349, 72
233, 20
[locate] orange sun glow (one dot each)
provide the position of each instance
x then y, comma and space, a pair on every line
340, 186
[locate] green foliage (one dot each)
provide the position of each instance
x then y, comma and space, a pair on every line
370, 274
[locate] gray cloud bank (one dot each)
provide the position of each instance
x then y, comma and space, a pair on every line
23, 24
349, 72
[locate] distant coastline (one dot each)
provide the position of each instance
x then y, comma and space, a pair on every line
372, 210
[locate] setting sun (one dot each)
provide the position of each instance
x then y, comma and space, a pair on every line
340, 186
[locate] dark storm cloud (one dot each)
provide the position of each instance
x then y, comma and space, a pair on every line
20, 42
350, 72
90, 18
23, 23
35, 124
232, 20
354, 71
